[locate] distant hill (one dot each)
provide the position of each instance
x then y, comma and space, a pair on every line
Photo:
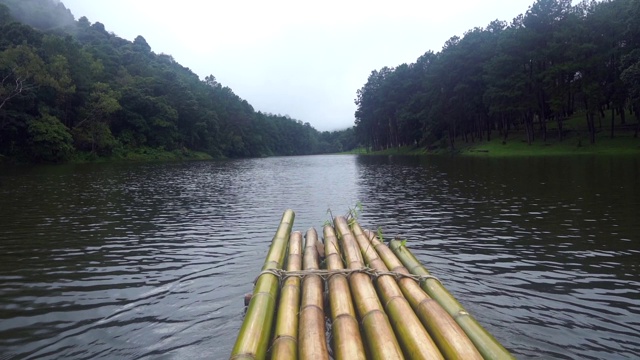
73, 90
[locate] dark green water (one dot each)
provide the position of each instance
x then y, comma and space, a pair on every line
152, 260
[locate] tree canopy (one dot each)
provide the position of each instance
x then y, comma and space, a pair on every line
551, 62
71, 86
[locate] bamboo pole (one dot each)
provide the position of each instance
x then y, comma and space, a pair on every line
488, 346
445, 332
285, 344
380, 339
313, 342
347, 342
413, 337
254, 336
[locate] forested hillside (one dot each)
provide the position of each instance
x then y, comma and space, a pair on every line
72, 87
554, 61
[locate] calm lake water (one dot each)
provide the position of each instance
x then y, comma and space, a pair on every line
151, 261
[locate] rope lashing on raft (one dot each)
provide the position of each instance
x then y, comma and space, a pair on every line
326, 274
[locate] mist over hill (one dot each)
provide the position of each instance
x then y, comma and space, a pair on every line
41, 14
72, 88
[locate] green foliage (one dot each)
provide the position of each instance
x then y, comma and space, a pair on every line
551, 62
631, 76
155, 154
353, 213
328, 222
21, 72
114, 95
49, 140
95, 137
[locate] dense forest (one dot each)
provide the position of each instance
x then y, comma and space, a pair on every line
553, 62
71, 87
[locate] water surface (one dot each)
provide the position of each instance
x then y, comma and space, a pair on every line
152, 260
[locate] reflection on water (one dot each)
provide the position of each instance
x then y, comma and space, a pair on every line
149, 260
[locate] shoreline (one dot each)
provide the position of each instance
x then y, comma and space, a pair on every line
623, 145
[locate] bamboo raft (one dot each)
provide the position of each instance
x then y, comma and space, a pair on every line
382, 303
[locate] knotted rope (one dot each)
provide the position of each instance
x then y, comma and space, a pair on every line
327, 274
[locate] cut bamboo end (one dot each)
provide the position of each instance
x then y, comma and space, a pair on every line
445, 332
486, 344
374, 314
380, 338
313, 342
285, 343
347, 341
414, 338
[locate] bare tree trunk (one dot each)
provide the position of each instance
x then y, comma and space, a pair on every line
451, 138
638, 121
528, 126
591, 125
559, 121
613, 117
505, 129
600, 119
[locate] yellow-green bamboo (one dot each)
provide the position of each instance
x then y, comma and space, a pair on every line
413, 337
380, 339
447, 334
255, 333
347, 342
488, 346
313, 342
285, 343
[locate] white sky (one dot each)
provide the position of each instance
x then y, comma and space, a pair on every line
298, 58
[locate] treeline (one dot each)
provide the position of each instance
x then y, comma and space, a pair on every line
551, 62
72, 87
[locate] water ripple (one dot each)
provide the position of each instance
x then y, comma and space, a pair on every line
152, 260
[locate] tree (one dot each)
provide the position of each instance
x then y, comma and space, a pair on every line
140, 43
210, 80
21, 71
631, 78
547, 64
49, 139
93, 133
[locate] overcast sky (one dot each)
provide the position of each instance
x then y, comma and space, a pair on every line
298, 58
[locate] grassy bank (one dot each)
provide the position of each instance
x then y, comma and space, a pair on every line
142, 155
621, 145
575, 142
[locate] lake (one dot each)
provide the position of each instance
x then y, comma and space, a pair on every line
152, 260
